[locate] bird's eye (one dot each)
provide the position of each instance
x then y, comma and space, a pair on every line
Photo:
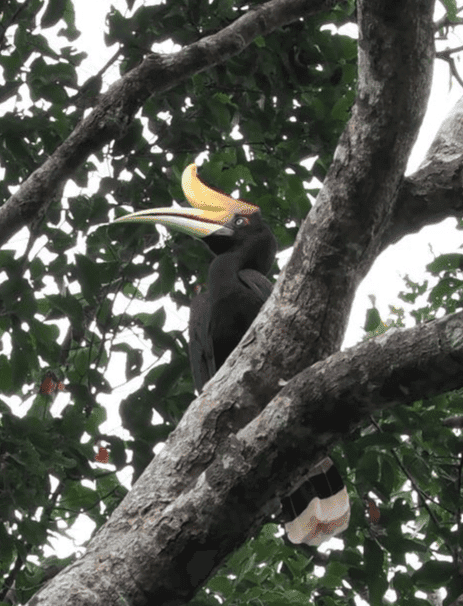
240, 221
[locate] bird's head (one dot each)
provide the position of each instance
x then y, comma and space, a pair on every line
214, 212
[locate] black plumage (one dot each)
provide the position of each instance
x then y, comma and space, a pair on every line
237, 289
244, 249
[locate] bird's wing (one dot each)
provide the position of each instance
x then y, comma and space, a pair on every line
257, 282
200, 346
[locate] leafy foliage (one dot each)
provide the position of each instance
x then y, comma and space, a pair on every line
446, 296
289, 95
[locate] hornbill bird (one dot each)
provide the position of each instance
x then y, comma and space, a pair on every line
244, 249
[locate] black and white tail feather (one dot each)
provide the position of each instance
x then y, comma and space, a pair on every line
320, 507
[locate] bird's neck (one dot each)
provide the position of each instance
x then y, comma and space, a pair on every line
223, 273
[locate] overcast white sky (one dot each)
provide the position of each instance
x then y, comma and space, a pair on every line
410, 256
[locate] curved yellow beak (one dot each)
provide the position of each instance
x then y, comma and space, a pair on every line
212, 209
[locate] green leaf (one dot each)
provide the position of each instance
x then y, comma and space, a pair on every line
53, 13
452, 9
6, 378
373, 320
33, 532
89, 277
433, 574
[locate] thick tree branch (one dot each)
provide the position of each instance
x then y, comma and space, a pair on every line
433, 193
151, 554
117, 107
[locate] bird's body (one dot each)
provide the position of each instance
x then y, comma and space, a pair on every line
237, 289
244, 249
